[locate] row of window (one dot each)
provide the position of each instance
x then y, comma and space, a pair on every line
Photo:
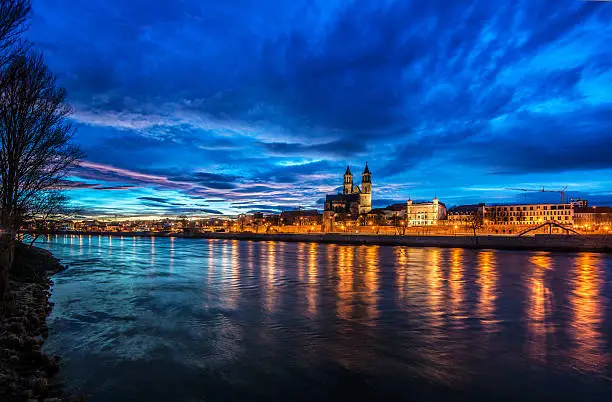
534, 207
540, 213
531, 219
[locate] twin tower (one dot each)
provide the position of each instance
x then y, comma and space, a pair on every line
365, 192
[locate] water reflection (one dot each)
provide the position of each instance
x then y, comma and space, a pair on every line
306, 315
487, 281
587, 306
371, 281
269, 275
401, 273
311, 294
171, 257
435, 296
456, 283
346, 286
538, 307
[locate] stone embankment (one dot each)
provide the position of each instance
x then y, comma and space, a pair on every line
594, 243
25, 371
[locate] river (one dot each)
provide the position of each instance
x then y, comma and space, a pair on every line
164, 319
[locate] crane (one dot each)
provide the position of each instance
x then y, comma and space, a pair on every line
542, 190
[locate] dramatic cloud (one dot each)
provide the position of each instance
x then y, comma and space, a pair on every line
264, 103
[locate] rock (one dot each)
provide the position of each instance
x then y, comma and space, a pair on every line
40, 386
14, 359
51, 364
34, 321
13, 341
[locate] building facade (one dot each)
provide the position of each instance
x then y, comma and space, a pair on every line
354, 200
593, 217
464, 213
528, 214
425, 213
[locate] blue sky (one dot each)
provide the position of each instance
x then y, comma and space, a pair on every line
202, 106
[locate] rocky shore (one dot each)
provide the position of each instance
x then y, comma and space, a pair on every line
26, 372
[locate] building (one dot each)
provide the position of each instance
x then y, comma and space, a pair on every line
354, 200
308, 217
593, 217
464, 213
528, 214
391, 211
579, 203
425, 213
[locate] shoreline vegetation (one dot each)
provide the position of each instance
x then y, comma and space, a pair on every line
538, 242
26, 373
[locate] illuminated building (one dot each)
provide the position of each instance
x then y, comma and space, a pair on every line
353, 200
464, 213
593, 217
425, 213
309, 217
529, 214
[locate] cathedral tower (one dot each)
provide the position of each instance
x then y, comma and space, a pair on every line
366, 191
348, 181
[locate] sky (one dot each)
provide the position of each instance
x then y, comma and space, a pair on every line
224, 107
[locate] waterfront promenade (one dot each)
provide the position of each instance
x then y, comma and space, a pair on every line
540, 242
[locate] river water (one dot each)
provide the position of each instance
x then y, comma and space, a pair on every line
162, 319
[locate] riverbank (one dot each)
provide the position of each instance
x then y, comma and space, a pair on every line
25, 371
539, 242
531, 243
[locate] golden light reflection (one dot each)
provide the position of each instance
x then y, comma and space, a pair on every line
332, 258
456, 284
487, 281
371, 280
587, 306
251, 256
270, 295
345, 286
301, 262
435, 281
311, 294
401, 273
538, 307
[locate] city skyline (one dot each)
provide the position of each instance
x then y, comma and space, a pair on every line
199, 107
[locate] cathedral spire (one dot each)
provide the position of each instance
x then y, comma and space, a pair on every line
348, 181
367, 169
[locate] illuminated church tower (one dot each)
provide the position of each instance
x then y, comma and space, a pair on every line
365, 204
348, 182
353, 200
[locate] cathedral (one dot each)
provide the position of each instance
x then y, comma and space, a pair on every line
353, 200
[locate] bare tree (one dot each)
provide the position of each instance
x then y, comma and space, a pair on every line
35, 151
13, 17
35, 144
476, 221
48, 206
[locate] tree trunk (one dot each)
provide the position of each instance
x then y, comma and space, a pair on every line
7, 254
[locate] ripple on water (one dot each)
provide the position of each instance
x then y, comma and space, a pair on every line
186, 320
